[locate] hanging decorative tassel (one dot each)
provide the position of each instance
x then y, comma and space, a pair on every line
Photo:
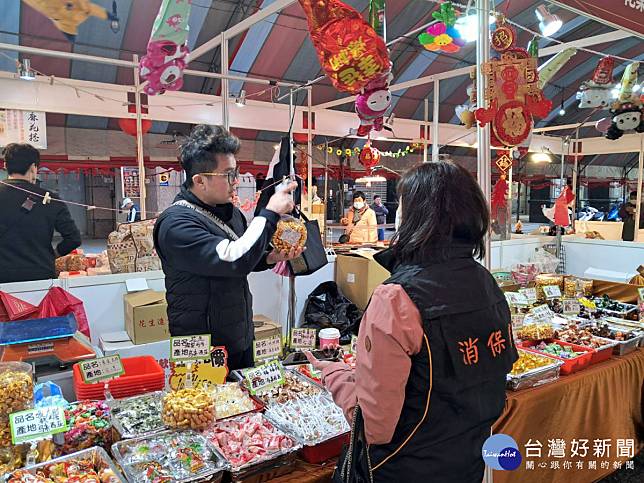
499, 194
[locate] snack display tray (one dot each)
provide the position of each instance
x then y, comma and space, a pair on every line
279, 459
118, 425
94, 453
211, 475
570, 366
535, 377
623, 347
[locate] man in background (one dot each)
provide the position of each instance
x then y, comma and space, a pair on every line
134, 212
381, 215
627, 214
28, 220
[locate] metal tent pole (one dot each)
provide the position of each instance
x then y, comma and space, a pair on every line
426, 130
225, 84
139, 140
638, 208
435, 124
483, 153
309, 148
564, 142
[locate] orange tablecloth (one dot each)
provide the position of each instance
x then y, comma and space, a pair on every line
603, 402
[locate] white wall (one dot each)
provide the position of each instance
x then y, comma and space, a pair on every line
616, 256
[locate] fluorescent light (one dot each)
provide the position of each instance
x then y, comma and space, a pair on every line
549, 24
371, 179
541, 157
467, 26
25, 71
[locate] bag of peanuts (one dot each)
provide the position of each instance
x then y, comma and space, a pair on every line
188, 408
290, 233
131, 248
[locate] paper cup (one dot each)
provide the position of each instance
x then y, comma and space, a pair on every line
329, 338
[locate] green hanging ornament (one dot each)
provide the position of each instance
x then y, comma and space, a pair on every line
533, 47
377, 17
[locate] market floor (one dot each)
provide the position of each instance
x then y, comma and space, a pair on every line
628, 476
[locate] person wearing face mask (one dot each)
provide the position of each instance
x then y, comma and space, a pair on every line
207, 249
362, 226
27, 224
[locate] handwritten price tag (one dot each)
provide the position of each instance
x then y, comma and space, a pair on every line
36, 424
571, 306
303, 338
530, 294
516, 299
269, 348
190, 348
264, 377
354, 344
552, 291
542, 313
101, 369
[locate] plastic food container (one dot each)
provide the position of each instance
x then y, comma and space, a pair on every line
16, 394
171, 456
535, 377
96, 456
137, 416
142, 374
279, 449
297, 386
329, 337
233, 399
570, 366
89, 425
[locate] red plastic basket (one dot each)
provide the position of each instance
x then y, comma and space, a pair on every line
601, 355
570, 366
142, 374
325, 451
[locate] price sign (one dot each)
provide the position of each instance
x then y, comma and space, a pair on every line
542, 313
571, 306
266, 376
517, 321
354, 344
303, 338
101, 369
190, 348
530, 294
268, 348
552, 291
36, 424
516, 299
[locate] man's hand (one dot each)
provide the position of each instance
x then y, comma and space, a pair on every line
282, 201
278, 256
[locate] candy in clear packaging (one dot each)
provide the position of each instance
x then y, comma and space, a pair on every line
231, 400
89, 425
294, 388
138, 415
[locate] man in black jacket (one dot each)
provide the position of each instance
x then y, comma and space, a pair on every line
207, 251
27, 224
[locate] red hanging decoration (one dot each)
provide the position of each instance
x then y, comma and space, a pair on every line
369, 157
128, 126
499, 194
561, 207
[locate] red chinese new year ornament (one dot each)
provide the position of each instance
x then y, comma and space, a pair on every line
369, 157
350, 51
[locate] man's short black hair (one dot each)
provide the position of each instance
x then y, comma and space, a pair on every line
359, 194
377, 197
633, 194
198, 152
19, 157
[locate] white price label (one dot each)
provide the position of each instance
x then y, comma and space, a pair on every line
516, 299
552, 291
264, 377
268, 348
303, 338
36, 424
354, 344
517, 320
530, 294
571, 306
542, 313
101, 369
190, 348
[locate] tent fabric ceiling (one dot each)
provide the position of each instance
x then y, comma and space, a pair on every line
279, 48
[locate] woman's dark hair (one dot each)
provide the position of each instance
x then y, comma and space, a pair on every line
442, 204
359, 194
19, 157
198, 152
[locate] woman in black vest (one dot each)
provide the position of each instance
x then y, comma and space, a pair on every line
435, 343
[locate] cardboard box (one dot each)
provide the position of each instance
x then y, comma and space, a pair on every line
146, 316
357, 275
265, 327
120, 343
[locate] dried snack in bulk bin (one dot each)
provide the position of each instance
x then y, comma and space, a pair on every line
574, 286
290, 233
89, 425
535, 332
528, 362
71, 471
188, 408
247, 440
546, 279
293, 388
16, 388
557, 350
231, 400
578, 336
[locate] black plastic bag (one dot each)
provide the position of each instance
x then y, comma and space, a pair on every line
326, 307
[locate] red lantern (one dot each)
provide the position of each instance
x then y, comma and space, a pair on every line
369, 157
300, 137
128, 126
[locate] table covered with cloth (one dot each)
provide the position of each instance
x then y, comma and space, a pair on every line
604, 402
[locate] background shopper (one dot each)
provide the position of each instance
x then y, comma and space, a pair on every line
361, 221
381, 212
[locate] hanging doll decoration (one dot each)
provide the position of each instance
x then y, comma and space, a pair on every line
597, 91
513, 96
465, 112
353, 56
627, 113
167, 53
442, 35
67, 15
